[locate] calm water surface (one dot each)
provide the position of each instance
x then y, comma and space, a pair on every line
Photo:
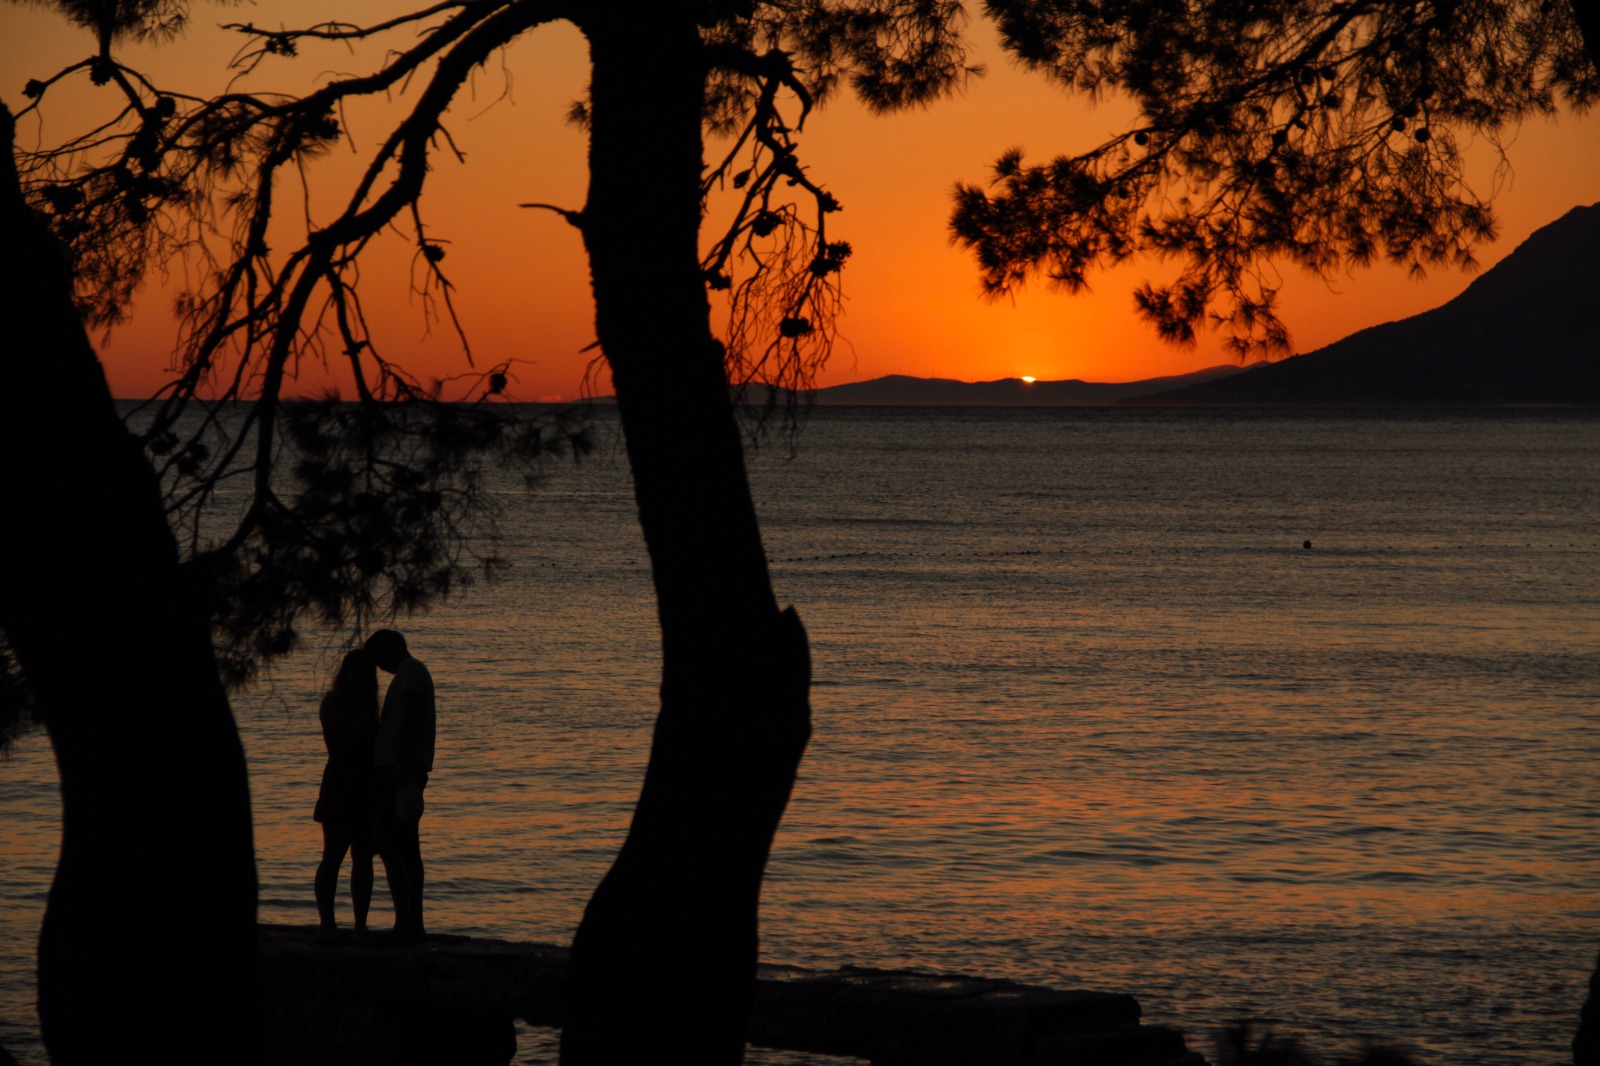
1087, 714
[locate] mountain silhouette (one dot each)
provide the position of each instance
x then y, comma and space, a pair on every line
897, 390
1526, 332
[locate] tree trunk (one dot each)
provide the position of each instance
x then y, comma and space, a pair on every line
663, 964
148, 943
1586, 1045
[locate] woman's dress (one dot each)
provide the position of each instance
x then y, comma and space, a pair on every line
345, 799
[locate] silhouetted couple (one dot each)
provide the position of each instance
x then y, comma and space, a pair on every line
378, 766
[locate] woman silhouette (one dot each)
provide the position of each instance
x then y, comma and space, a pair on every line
349, 715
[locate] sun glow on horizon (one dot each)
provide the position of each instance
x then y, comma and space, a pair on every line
521, 281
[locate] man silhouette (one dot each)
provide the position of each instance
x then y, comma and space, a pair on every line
402, 757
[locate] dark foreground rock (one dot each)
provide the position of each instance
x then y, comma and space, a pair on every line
451, 1001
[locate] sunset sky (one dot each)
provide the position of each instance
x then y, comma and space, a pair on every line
913, 299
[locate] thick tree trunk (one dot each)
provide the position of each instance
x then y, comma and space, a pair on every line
663, 964
1586, 1045
148, 945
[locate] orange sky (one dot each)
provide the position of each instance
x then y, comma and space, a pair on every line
913, 303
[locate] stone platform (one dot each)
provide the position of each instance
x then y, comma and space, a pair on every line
451, 1001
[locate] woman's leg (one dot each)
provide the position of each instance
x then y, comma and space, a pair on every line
361, 884
334, 845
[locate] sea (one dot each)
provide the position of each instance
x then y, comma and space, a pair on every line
1291, 716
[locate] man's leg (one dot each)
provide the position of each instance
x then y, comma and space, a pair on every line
394, 848
414, 875
398, 876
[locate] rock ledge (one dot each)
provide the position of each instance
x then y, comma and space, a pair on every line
453, 999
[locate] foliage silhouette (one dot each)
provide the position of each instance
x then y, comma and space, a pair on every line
1325, 134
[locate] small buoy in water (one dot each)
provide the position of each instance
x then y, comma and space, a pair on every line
1306, 544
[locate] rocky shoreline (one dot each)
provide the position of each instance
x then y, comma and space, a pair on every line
454, 999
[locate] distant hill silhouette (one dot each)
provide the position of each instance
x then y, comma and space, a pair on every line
899, 390
1527, 331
